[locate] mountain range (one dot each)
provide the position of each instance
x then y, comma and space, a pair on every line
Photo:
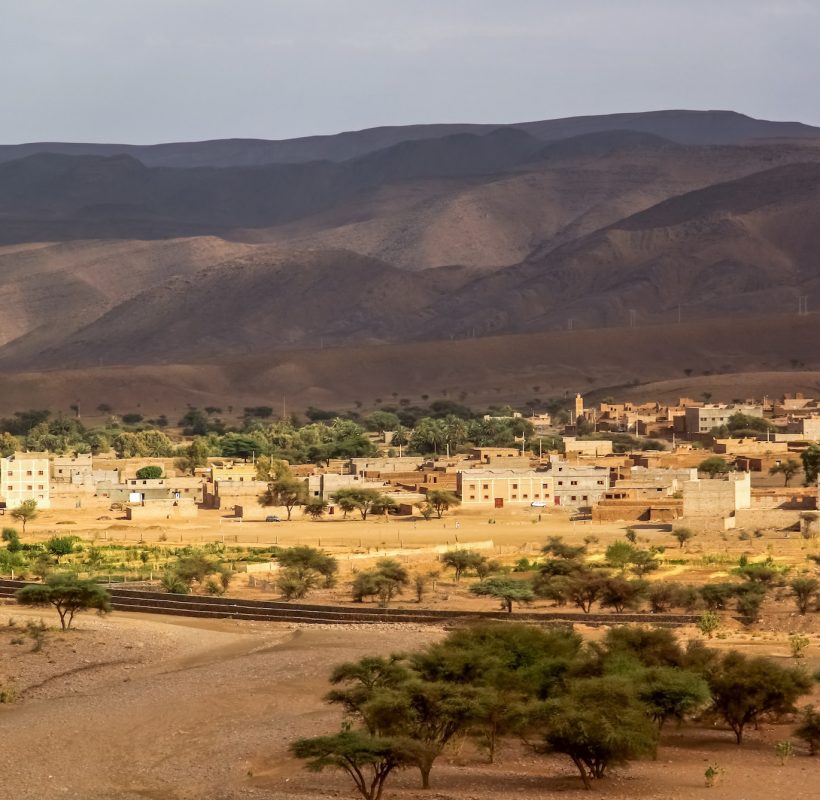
191, 253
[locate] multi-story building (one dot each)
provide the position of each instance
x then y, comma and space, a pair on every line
25, 476
701, 419
497, 488
577, 485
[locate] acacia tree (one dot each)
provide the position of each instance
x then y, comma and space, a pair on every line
441, 501
804, 591
67, 594
714, 466
809, 729
25, 512
683, 535
285, 491
743, 689
367, 759
811, 463
597, 723
788, 469
363, 500
461, 560
507, 590
671, 693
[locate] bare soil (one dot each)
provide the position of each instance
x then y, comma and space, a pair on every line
132, 706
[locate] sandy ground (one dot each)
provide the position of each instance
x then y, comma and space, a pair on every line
133, 706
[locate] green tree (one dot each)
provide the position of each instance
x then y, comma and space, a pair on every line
315, 507
194, 567
716, 596
811, 463
749, 600
585, 588
295, 583
67, 594
714, 466
149, 473
25, 513
671, 693
788, 469
9, 444
461, 560
303, 557
620, 555
60, 546
12, 540
441, 501
367, 759
808, 729
621, 594
507, 590
556, 547
427, 715
597, 723
744, 689
804, 592
683, 535
387, 580
286, 491
362, 500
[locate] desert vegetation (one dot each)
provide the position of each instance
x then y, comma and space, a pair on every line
598, 704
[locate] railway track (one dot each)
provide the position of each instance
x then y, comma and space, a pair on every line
273, 611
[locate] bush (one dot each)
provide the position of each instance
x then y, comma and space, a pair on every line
149, 473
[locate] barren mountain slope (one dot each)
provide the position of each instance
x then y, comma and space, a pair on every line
263, 301
689, 127
747, 245
477, 371
48, 290
570, 189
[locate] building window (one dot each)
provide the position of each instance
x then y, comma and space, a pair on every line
39, 472
486, 497
29, 488
29, 473
573, 483
524, 496
574, 498
472, 497
515, 486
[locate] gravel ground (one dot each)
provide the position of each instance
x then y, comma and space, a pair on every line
132, 706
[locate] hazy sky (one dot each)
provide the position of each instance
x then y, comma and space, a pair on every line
163, 70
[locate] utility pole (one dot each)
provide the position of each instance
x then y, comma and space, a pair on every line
569, 324
284, 408
802, 305
678, 313
632, 317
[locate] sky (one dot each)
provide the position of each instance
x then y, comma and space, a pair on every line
143, 71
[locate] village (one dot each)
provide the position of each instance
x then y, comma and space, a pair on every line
712, 467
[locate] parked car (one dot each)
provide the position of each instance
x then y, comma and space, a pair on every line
538, 504
272, 518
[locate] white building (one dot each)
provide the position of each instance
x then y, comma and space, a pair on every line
25, 476
577, 485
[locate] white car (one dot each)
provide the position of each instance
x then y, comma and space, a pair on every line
538, 504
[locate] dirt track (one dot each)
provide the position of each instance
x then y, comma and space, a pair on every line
205, 709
